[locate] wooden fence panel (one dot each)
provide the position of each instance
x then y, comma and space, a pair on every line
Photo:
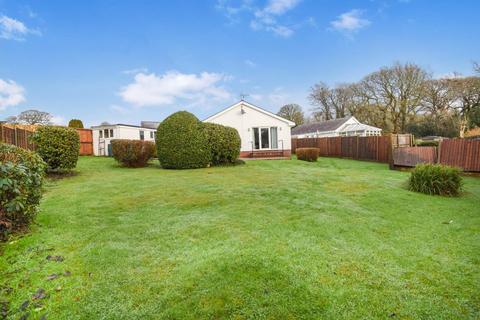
461, 153
86, 142
411, 156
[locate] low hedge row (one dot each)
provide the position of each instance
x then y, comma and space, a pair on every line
133, 153
21, 179
307, 154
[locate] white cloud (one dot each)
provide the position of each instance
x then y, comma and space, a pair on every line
135, 71
58, 120
173, 87
13, 29
350, 21
250, 63
262, 18
120, 109
11, 94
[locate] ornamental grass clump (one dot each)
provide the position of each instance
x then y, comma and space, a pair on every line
436, 179
307, 154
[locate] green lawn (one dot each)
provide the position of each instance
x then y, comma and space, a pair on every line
336, 239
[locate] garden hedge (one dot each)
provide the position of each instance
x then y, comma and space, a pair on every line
307, 154
75, 123
182, 142
58, 146
224, 143
436, 179
133, 153
21, 178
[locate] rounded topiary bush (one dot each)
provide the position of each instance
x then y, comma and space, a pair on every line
436, 179
307, 154
182, 142
58, 146
133, 153
21, 178
224, 143
75, 123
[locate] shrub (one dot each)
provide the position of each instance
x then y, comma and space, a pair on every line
58, 146
427, 143
75, 123
224, 143
307, 154
133, 153
182, 142
21, 179
435, 179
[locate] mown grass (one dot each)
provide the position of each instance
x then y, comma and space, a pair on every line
335, 239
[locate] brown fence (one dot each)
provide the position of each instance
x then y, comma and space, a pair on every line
20, 137
461, 153
86, 142
375, 148
16, 136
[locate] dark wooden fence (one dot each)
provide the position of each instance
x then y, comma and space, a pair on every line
375, 148
461, 153
20, 137
16, 136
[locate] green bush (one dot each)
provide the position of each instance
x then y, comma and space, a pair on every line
182, 142
224, 143
133, 153
421, 143
21, 178
75, 123
436, 179
307, 154
58, 146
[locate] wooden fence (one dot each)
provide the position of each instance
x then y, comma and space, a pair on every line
461, 153
16, 136
374, 148
86, 142
20, 137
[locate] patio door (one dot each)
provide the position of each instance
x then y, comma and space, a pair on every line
261, 138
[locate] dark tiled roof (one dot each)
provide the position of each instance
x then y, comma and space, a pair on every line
329, 125
150, 124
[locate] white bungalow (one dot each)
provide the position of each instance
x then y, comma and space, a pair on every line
104, 134
342, 127
263, 133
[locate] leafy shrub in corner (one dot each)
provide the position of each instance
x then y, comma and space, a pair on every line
21, 178
75, 123
224, 143
182, 142
307, 154
435, 179
133, 153
58, 146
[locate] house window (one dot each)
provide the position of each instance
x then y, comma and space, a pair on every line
100, 133
265, 138
111, 133
151, 134
105, 133
142, 135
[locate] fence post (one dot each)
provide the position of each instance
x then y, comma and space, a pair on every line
439, 150
391, 164
15, 137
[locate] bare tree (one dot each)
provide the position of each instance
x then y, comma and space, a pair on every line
476, 67
320, 97
12, 120
32, 117
292, 112
438, 97
467, 99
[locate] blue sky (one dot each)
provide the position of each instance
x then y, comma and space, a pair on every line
126, 61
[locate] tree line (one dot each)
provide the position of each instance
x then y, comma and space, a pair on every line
403, 98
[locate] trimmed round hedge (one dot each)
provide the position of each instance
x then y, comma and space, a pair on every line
436, 179
59, 147
75, 123
21, 179
182, 142
133, 153
307, 154
224, 143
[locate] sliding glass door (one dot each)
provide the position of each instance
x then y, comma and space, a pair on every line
265, 138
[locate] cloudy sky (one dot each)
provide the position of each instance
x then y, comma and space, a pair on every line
126, 61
